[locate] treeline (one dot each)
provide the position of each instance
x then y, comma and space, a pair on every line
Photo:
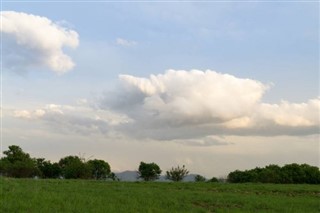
19, 164
290, 173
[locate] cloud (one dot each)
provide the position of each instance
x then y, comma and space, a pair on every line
195, 108
126, 43
22, 114
67, 119
181, 97
293, 114
31, 41
204, 142
195, 104
195, 96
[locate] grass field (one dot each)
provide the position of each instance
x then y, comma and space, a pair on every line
30, 195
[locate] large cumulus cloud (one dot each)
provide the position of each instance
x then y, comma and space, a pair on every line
190, 104
30, 41
190, 97
195, 108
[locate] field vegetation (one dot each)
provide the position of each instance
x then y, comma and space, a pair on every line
54, 195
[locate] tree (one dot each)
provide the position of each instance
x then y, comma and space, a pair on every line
312, 174
290, 173
213, 180
99, 169
270, 174
177, 174
74, 167
199, 178
235, 177
17, 163
48, 169
149, 171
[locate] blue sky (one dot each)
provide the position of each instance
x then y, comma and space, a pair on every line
267, 41
275, 45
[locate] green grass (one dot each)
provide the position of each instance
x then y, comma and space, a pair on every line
29, 195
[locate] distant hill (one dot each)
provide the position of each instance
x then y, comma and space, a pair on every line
133, 176
128, 176
189, 178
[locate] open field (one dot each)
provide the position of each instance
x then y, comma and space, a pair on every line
30, 195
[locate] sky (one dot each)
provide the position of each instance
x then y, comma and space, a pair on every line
215, 86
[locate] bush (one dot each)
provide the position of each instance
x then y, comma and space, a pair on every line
177, 174
199, 178
213, 180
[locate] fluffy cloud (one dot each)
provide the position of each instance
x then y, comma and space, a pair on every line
195, 96
30, 41
292, 114
189, 105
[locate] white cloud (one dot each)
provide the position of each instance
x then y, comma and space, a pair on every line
293, 114
192, 108
190, 105
22, 114
68, 119
242, 122
30, 41
126, 43
196, 96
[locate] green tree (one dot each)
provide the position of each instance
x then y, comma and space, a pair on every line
270, 174
290, 173
199, 178
99, 169
213, 180
149, 171
48, 169
17, 163
235, 177
177, 174
312, 174
74, 167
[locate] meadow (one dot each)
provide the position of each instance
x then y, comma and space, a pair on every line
53, 195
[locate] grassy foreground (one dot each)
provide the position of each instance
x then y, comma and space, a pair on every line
28, 195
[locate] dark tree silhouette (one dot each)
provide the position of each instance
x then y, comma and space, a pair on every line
18, 164
48, 169
74, 167
149, 171
290, 173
